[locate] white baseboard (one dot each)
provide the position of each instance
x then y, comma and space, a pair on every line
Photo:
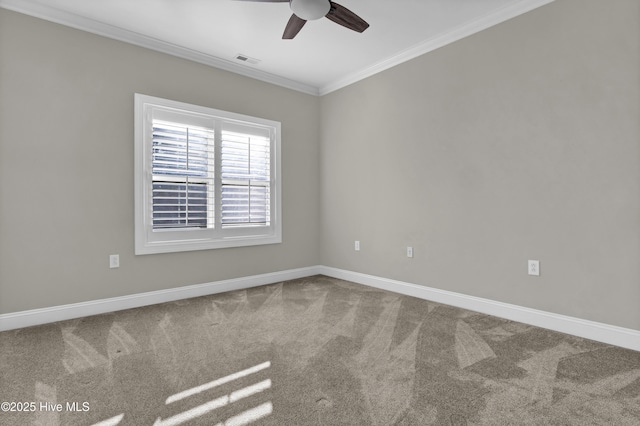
76, 310
618, 336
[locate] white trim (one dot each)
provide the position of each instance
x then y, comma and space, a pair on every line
51, 14
613, 335
76, 310
85, 24
501, 15
618, 336
147, 240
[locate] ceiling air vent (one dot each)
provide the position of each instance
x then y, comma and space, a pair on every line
247, 59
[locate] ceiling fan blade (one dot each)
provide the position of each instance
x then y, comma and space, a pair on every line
343, 16
293, 27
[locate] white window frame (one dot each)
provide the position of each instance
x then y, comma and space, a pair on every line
148, 240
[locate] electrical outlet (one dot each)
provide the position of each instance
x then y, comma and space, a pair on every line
357, 245
534, 267
409, 251
114, 261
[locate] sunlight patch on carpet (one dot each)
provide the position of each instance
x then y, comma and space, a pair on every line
110, 422
217, 382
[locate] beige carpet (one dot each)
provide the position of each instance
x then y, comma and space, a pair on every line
314, 351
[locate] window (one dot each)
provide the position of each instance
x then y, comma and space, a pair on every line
204, 178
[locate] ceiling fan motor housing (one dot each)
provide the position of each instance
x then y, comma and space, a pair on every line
310, 9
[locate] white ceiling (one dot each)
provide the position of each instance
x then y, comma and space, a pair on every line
322, 58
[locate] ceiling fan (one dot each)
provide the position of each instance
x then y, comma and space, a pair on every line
309, 10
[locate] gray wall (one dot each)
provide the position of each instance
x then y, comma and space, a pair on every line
66, 166
520, 142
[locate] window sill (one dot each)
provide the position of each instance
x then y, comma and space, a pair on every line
192, 245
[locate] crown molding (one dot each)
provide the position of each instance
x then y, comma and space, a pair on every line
89, 25
85, 24
440, 40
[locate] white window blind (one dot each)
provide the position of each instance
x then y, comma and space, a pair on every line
246, 180
183, 176
204, 178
